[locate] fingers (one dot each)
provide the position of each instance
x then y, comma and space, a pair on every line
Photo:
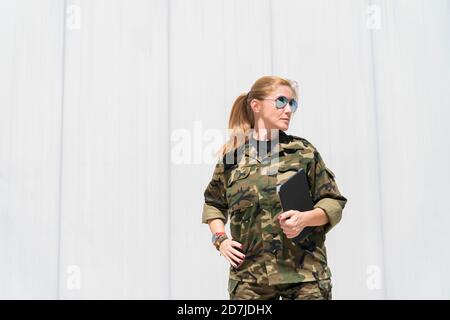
227, 256
292, 233
233, 260
287, 229
238, 253
229, 260
236, 259
233, 256
286, 215
289, 236
237, 244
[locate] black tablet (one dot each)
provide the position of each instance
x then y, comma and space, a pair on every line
294, 195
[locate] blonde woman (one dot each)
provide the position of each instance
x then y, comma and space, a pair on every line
265, 262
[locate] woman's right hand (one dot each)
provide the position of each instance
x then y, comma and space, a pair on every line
227, 249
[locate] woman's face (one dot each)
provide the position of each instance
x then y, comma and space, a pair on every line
268, 116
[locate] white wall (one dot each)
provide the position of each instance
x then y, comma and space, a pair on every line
94, 202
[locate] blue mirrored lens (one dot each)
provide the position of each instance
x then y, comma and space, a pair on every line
294, 105
282, 101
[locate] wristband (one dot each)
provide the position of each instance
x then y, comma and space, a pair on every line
218, 238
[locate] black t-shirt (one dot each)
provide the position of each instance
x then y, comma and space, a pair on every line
263, 146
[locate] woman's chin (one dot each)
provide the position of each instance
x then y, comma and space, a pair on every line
283, 126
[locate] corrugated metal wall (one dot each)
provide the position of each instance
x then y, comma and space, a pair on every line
98, 96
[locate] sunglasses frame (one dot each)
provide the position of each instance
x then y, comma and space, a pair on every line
284, 103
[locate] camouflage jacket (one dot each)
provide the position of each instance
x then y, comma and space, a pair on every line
243, 191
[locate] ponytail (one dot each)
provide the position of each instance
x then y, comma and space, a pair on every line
240, 122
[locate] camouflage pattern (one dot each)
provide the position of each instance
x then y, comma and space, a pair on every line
311, 290
243, 191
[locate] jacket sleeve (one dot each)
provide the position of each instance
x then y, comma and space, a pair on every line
216, 205
325, 192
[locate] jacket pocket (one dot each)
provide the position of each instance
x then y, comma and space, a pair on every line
241, 217
239, 173
240, 190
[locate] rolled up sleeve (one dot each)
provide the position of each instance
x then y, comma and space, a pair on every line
215, 205
326, 194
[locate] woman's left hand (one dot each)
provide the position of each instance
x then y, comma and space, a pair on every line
293, 222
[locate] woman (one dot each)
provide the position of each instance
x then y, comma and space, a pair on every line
265, 262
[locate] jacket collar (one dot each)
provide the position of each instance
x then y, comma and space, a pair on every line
285, 141
247, 152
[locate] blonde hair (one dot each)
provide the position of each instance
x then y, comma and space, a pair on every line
241, 119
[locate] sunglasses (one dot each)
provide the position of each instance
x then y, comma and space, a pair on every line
282, 101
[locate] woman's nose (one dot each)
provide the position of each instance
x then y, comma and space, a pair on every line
288, 109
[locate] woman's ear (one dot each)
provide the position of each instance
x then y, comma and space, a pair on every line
254, 105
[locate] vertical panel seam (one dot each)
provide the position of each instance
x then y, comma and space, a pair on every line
63, 52
378, 160
271, 36
169, 178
